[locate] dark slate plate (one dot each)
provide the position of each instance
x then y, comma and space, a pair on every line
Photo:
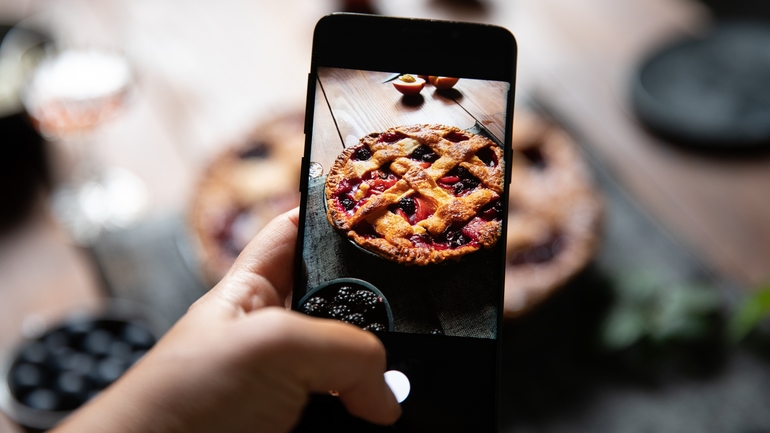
711, 92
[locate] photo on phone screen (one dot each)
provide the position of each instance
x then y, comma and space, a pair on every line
405, 201
402, 221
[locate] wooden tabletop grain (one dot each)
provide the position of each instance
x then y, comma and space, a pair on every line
353, 104
209, 71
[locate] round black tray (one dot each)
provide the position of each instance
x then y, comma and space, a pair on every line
709, 92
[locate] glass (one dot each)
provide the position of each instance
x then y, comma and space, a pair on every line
72, 93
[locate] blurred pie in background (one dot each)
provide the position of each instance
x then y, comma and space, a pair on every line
554, 214
244, 188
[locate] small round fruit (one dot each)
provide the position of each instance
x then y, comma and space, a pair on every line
443, 82
409, 85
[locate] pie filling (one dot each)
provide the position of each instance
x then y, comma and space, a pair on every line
457, 198
542, 252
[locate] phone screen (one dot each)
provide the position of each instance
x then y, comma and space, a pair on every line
402, 228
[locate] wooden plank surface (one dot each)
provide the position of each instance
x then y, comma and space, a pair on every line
361, 104
581, 69
484, 100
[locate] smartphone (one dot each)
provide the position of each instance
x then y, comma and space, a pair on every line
402, 228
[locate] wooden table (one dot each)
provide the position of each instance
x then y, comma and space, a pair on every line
356, 103
208, 72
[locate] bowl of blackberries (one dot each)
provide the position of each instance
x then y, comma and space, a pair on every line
349, 300
53, 373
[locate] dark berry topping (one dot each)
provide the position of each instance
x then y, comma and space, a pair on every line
466, 175
535, 157
392, 137
316, 306
376, 327
35, 353
539, 253
456, 239
42, 399
407, 205
487, 156
26, 376
344, 295
459, 180
453, 238
257, 150
357, 319
362, 154
424, 154
56, 372
456, 137
138, 336
338, 311
421, 241
366, 301
347, 203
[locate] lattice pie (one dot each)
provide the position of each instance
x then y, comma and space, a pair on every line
418, 194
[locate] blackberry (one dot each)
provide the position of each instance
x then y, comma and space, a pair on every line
357, 319
339, 312
347, 203
366, 301
424, 154
407, 204
467, 180
436, 332
362, 154
344, 295
455, 239
498, 207
376, 327
459, 187
316, 307
487, 156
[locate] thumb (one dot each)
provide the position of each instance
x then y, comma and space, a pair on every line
263, 273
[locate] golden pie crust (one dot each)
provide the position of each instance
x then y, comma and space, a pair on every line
554, 214
419, 194
244, 187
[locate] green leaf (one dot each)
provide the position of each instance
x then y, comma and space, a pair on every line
622, 328
748, 316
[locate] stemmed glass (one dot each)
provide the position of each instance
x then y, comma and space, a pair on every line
71, 95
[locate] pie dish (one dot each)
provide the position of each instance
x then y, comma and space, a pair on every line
349, 300
554, 214
418, 194
244, 187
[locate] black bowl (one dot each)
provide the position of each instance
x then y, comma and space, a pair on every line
46, 377
378, 311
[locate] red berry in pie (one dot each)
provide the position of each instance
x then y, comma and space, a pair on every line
418, 194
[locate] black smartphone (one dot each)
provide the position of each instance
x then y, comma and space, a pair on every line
404, 187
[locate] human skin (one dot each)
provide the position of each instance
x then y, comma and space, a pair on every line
238, 361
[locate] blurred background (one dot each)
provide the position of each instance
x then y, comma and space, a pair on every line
128, 130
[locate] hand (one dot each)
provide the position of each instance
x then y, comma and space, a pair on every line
239, 362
